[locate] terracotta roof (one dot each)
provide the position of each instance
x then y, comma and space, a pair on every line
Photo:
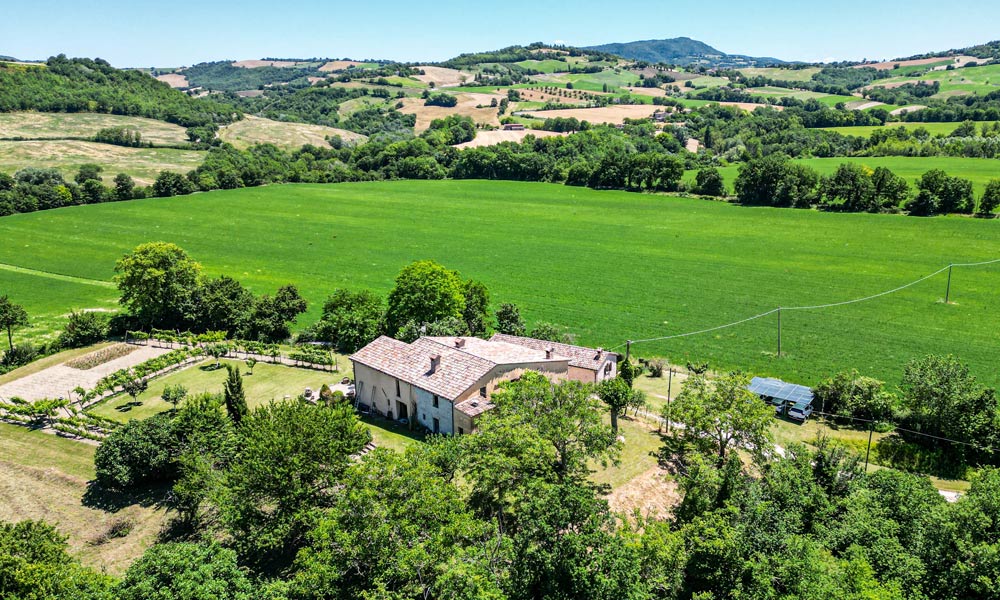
496, 351
579, 356
411, 363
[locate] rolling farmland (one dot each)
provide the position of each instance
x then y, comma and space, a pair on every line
606, 265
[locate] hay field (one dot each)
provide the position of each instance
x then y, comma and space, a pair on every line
934, 128
492, 138
45, 477
36, 125
968, 80
253, 64
889, 65
290, 136
174, 80
613, 115
779, 74
143, 164
466, 107
547, 247
443, 77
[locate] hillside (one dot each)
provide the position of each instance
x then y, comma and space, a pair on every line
681, 51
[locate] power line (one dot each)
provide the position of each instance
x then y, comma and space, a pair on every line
897, 428
816, 306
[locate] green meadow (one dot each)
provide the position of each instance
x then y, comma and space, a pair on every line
933, 128
966, 80
608, 266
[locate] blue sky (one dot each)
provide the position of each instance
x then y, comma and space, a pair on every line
181, 32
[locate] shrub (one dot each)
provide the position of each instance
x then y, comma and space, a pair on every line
20, 354
84, 328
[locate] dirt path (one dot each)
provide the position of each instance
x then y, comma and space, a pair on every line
57, 276
651, 493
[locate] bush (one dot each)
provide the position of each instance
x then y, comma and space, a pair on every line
20, 354
136, 454
84, 328
656, 367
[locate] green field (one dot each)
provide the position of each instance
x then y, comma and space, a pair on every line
35, 125
967, 80
978, 170
545, 66
609, 266
143, 164
289, 136
866, 131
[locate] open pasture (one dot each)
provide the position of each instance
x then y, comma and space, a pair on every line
609, 266
143, 164
779, 74
934, 128
36, 125
468, 106
967, 80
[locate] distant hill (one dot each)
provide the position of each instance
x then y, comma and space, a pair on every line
681, 51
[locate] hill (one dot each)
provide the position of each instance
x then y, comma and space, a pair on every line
681, 51
551, 250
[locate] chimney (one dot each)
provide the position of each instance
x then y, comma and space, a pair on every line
600, 351
435, 363
549, 352
460, 342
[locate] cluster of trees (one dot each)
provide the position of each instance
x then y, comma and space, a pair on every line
275, 503
439, 99
82, 329
32, 189
84, 85
162, 286
776, 181
427, 299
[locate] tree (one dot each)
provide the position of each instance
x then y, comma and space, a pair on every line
850, 188
251, 363
84, 328
272, 318
169, 184
550, 332
351, 320
618, 395
137, 453
134, 385
157, 282
425, 292
990, 199
124, 187
940, 193
88, 172
222, 304
509, 320
709, 182
37, 566
477, 308
12, 316
889, 190
758, 179
174, 394
849, 394
217, 351
185, 571
628, 371
236, 401
290, 462
723, 414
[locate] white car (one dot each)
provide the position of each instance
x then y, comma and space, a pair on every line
800, 414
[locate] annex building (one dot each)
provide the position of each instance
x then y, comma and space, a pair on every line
445, 383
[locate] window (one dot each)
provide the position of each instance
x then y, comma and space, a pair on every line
461, 431
607, 368
397, 389
482, 392
435, 400
437, 426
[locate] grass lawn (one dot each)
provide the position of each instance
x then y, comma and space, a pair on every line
693, 264
391, 435
979, 170
267, 382
934, 128
45, 477
637, 455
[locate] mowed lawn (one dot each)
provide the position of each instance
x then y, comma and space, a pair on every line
268, 382
979, 170
609, 266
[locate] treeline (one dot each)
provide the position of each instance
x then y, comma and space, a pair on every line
84, 85
222, 75
774, 180
320, 105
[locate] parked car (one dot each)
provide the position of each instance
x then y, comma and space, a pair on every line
799, 413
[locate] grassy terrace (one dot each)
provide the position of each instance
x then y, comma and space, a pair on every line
607, 265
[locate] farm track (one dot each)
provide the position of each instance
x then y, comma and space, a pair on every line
56, 276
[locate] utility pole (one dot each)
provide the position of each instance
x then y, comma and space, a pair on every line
871, 429
670, 381
628, 349
947, 291
779, 332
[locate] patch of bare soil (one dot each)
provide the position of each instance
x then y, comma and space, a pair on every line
338, 65
442, 77
253, 64
492, 138
652, 493
174, 80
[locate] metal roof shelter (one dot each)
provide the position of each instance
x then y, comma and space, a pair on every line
798, 396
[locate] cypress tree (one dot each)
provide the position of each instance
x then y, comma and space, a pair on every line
236, 401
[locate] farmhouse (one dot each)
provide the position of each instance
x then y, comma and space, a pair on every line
513, 127
445, 383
